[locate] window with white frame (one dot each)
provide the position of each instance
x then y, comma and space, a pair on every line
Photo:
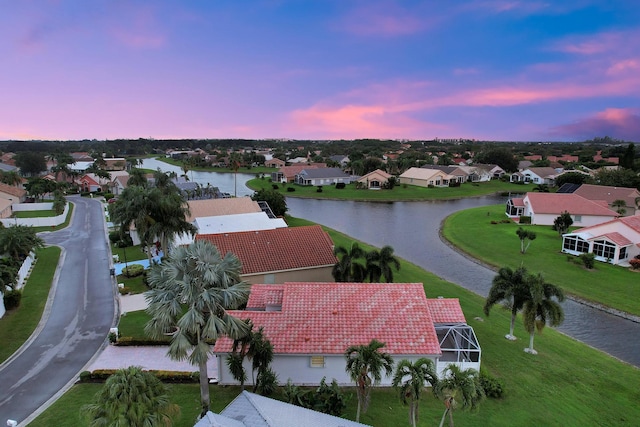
604, 249
623, 253
575, 243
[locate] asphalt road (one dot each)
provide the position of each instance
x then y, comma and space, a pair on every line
76, 321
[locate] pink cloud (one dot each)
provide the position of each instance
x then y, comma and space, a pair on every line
620, 123
601, 43
136, 27
504, 6
382, 19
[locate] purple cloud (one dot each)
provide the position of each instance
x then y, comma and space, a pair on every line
619, 123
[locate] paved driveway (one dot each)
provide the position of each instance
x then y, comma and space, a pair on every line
75, 323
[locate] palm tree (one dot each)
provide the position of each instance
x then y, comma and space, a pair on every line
17, 241
190, 293
543, 307
10, 177
411, 379
621, 206
509, 287
365, 364
459, 388
170, 215
385, 261
137, 177
347, 269
131, 397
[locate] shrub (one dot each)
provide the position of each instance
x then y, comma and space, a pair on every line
267, 382
12, 299
133, 270
109, 196
291, 189
492, 386
114, 236
319, 190
588, 260
124, 290
635, 263
340, 185
274, 186
328, 399
85, 376
525, 219
125, 241
428, 186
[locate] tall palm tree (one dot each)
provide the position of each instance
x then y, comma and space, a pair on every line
543, 307
365, 365
459, 388
17, 241
190, 293
10, 177
170, 216
620, 205
131, 397
137, 177
411, 379
381, 264
348, 269
508, 287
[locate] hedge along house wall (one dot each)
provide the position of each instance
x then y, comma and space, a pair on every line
23, 275
50, 221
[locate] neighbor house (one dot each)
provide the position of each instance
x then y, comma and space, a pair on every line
375, 180
425, 177
322, 176
544, 208
279, 255
615, 241
621, 199
253, 410
460, 174
494, 170
274, 163
288, 173
544, 175
12, 193
310, 325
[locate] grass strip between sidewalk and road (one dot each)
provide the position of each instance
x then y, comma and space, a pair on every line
17, 325
567, 384
472, 231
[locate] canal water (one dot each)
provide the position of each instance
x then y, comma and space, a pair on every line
412, 229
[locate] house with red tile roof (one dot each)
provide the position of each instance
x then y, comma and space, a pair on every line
310, 325
275, 163
613, 196
288, 173
12, 193
543, 175
279, 255
544, 208
616, 241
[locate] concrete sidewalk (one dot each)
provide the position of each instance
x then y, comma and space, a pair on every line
130, 303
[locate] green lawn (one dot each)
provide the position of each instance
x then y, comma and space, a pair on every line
252, 170
35, 214
58, 227
399, 192
566, 384
17, 325
135, 284
498, 245
131, 253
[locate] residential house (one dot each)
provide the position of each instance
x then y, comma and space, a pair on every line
81, 156
6, 210
274, 163
620, 199
460, 174
544, 208
217, 207
12, 193
616, 241
92, 183
119, 183
340, 159
115, 164
495, 170
544, 175
310, 325
288, 173
375, 180
4, 167
253, 410
279, 255
8, 159
322, 176
425, 177
598, 157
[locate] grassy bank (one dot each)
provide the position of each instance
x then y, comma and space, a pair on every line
17, 325
399, 192
566, 384
497, 244
251, 170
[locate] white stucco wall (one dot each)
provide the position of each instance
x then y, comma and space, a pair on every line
547, 219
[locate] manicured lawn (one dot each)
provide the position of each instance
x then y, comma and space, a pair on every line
58, 227
17, 325
399, 192
35, 214
132, 325
135, 284
567, 383
498, 245
133, 253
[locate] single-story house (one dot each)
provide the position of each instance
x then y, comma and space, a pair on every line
616, 241
115, 163
495, 170
544, 208
310, 325
91, 183
375, 179
253, 410
274, 163
279, 255
322, 176
425, 177
217, 207
12, 193
544, 175
341, 159
460, 174
288, 173
119, 183
611, 195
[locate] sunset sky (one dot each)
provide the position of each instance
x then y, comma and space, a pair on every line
320, 69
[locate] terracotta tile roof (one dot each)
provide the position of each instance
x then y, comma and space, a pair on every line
446, 310
11, 190
261, 296
610, 194
217, 207
544, 172
293, 170
552, 203
622, 224
615, 237
326, 318
517, 201
281, 249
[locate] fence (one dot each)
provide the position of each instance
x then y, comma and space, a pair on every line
50, 221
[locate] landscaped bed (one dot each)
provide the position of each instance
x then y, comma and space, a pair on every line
482, 233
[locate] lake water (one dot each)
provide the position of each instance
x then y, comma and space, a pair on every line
412, 229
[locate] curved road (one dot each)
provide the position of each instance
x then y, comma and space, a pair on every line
76, 321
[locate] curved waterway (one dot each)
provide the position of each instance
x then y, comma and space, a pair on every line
412, 228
